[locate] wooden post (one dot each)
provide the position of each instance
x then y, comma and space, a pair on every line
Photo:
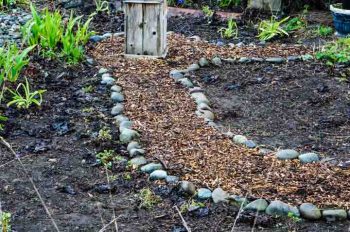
145, 28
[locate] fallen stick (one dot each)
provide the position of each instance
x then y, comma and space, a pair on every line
184, 223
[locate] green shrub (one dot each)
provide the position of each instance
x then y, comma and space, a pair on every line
269, 29
5, 222
335, 52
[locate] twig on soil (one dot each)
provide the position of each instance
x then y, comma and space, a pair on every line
110, 197
5, 143
110, 223
238, 214
184, 223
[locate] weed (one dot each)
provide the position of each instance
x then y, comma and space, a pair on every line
88, 89
269, 29
127, 176
294, 217
28, 98
294, 24
229, 3
335, 52
105, 157
102, 6
231, 30
148, 199
12, 61
104, 134
2, 119
190, 204
5, 222
88, 110
324, 31
208, 13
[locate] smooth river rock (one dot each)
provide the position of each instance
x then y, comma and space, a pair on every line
287, 154
310, 211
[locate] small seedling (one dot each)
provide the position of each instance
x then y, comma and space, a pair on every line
102, 6
208, 13
2, 119
88, 89
127, 176
187, 205
294, 217
28, 98
295, 24
105, 134
148, 199
5, 222
105, 157
231, 31
335, 52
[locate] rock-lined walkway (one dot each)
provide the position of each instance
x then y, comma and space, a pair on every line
164, 113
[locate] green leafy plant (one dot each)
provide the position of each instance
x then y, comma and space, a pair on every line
335, 52
148, 199
12, 61
294, 24
208, 13
269, 29
27, 98
102, 6
229, 3
187, 205
5, 222
2, 119
104, 134
293, 217
105, 157
324, 31
230, 31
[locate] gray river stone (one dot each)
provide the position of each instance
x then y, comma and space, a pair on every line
149, 168
277, 60
309, 158
310, 211
203, 194
219, 195
216, 61
138, 161
117, 109
116, 88
188, 187
258, 205
158, 175
287, 154
334, 215
240, 139
193, 67
133, 145
203, 62
128, 135
279, 208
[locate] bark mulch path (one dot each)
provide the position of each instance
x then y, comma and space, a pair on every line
165, 115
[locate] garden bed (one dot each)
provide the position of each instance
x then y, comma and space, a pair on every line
294, 105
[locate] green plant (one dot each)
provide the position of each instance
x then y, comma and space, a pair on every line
105, 157
5, 222
187, 205
324, 31
335, 52
208, 13
229, 3
269, 29
127, 176
293, 217
102, 6
12, 61
88, 89
2, 119
231, 30
148, 198
104, 134
294, 24
27, 98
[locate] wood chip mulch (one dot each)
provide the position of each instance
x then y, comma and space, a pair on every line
164, 114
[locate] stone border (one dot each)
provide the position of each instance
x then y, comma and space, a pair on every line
156, 170
274, 208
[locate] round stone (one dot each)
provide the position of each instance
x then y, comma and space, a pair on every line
216, 61
207, 114
158, 175
185, 82
107, 79
121, 118
240, 139
203, 194
193, 67
117, 97
279, 208
203, 106
310, 211
172, 179
151, 167
128, 135
187, 187
102, 71
277, 60
244, 60
334, 215
309, 158
250, 144
125, 125
117, 109
219, 195
287, 154
136, 152
200, 98
203, 62
258, 205
116, 88
138, 161
176, 74
133, 145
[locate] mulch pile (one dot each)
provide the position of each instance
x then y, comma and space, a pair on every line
164, 113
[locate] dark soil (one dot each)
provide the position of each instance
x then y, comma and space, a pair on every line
294, 105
